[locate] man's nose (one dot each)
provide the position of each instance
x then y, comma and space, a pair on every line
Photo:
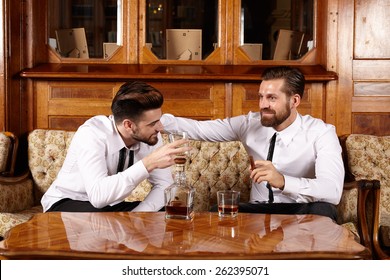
263, 104
159, 126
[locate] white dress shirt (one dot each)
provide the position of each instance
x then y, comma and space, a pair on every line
307, 153
89, 172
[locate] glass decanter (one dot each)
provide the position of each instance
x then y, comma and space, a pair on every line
179, 197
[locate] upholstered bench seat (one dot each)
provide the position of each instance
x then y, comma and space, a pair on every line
211, 167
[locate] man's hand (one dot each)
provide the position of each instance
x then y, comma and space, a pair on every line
164, 156
264, 170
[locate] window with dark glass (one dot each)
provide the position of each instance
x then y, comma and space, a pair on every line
70, 22
281, 29
179, 29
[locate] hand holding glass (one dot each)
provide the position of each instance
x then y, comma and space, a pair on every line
177, 135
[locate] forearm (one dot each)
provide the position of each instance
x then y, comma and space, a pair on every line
107, 190
214, 131
153, 202
310, 190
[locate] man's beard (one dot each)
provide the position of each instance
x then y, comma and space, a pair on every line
276, 119
151, 140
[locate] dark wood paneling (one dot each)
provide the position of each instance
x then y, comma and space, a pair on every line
373, 124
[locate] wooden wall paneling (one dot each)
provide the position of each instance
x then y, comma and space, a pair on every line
3, 72
371, 104
372, 88
60, 104
313, 100
344, 54
14, 100
371, 123
328, 26
246, 98
41, 96
371, 69
202, 101
371, 20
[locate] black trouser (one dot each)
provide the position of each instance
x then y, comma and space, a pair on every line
317, 208
69, 205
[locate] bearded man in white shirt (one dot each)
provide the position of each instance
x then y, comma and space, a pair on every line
306, 173
109, 156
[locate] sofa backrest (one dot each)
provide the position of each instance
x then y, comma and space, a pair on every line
212, 166
46, 154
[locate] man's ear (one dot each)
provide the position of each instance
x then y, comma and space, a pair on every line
127, 124
295, 100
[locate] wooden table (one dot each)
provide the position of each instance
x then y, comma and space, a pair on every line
124, 235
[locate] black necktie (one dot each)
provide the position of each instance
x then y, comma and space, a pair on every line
122, 159
269, 157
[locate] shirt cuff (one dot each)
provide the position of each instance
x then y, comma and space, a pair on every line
136, 173
291, 187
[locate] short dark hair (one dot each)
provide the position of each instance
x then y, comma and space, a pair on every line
294, 80
133, 98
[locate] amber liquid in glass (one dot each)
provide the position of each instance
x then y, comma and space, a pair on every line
181, 160
228, 210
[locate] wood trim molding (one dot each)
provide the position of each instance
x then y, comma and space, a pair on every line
230, 73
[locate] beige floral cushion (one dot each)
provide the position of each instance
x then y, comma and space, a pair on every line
369, 158
217, 166
5, 144
347, 208
46, 154
9, 220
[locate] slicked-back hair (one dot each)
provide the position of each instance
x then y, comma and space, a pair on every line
133, 98
294, 80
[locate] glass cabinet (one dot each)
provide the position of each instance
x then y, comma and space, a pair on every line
152, 31
279, 30
90, 23
181, 29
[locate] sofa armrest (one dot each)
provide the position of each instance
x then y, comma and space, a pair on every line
16, 193
368, 192
376, 246
357, 206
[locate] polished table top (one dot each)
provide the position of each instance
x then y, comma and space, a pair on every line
128, 235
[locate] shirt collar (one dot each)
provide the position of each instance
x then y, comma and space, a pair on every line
117, 142
287, 134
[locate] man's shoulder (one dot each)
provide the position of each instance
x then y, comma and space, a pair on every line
97, 125
309, 121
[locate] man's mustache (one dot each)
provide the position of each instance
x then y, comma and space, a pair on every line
267, 111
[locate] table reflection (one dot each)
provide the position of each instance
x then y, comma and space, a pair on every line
150, 233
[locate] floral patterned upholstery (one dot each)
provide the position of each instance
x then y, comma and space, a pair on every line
46, 154
369, 159
347, 210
